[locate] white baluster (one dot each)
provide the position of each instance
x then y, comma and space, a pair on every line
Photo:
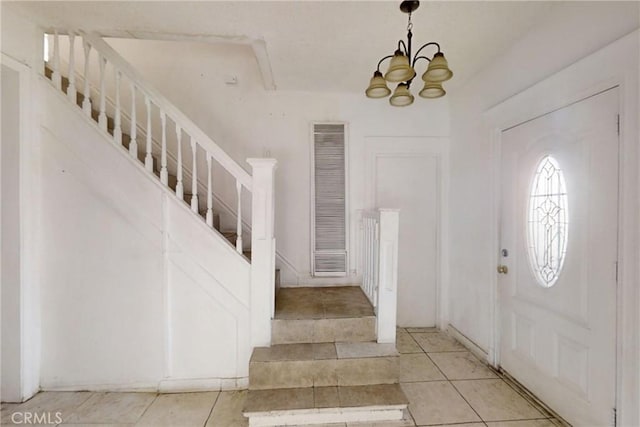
55, 76
179, 185
209, 217
86, 103
133, 144
102, 117
117, 121
148, 160
366, 254
194, 178
164, 174
71, 90
239, 224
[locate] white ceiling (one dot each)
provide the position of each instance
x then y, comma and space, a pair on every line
312, 45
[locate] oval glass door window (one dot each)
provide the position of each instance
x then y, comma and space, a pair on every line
548, 222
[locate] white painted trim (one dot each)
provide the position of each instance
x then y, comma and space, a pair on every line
29, 201
470, 345
168, 385
202, 384
586, 77
414, 146
327, 416
259, 47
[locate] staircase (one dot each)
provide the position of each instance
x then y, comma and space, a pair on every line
324, 365
172, 181
320, 355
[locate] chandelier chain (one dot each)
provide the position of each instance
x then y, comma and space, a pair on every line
409, 23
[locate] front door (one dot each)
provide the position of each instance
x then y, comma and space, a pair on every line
559, 225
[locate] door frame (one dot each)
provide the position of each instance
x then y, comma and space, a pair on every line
579, 81
418, 146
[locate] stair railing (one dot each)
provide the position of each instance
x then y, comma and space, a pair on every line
379, 252
260, 185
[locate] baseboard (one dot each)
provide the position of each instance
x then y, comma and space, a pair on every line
319, 282
202, 384
145, 387
164, 386
470, 345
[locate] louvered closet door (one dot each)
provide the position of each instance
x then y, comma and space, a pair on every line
329, 245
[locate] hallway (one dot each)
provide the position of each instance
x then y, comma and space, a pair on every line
445, 384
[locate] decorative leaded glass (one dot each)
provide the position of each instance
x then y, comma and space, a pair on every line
548, 222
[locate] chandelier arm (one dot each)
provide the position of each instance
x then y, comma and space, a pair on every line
380, 62
425, 45
416, 60
401, 43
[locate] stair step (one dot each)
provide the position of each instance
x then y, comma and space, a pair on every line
331, 314
324, 405
323, 364
290, 331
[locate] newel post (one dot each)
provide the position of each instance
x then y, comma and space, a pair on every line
263, 250
388, 275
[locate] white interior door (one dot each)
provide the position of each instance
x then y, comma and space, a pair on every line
410, 183
559, 230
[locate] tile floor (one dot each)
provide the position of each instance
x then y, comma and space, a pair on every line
445, 384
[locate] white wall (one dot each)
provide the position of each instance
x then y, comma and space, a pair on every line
11, 289
247, 121
570, 32
137, 292
21, 48
21, 39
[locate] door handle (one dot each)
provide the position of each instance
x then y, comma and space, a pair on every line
503, 269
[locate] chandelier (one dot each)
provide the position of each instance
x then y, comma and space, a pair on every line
401, 69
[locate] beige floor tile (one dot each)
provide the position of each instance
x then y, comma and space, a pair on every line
283, 399
494, 400
350, 350
109, 408
95, 425
436, 342
522, 423
291, 331
462, 366
459, 425
47, 402
422, 330
406, 344
326, 397
287, 374
323, 351
373, 370
282, 352
320, 425
187, 409
401, 423
371, 395
418, 367
227, 411
437, 402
